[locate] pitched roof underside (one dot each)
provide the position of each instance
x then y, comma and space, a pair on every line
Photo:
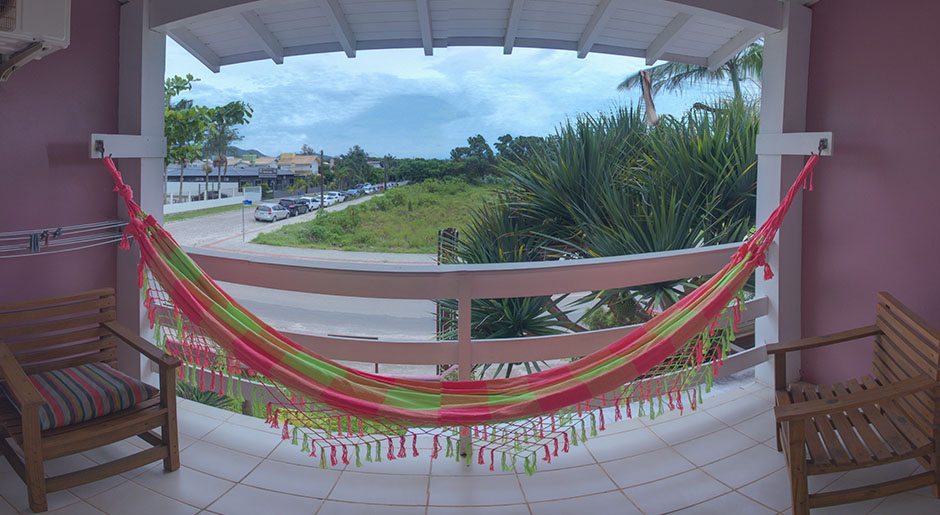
705, 32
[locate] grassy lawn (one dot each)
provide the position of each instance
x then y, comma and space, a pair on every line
404, 219
203, 212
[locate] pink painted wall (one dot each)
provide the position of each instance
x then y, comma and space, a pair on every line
872, 222
48, 110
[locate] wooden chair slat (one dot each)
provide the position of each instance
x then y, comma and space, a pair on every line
856, 448
65, 351
900, 346
890, 319
885, 428
103, 356
38, 342
16, 306
915, 405
874, 443
931, 333
56, 311
81, 322
816, 449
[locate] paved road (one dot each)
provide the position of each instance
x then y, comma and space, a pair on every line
304, 312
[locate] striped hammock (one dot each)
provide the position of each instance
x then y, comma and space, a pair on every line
331, 409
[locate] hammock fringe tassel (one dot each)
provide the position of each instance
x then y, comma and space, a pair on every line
236, 361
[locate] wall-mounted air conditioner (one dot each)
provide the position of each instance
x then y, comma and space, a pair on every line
31, 29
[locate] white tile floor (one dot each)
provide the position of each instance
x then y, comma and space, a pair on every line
720, 459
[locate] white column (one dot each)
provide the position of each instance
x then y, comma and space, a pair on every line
140, 111
783, 109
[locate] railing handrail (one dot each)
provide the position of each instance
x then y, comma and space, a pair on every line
429, 282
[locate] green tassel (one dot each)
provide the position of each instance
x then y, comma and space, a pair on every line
512, 466
358, 461
504, 466
593, 425
660, 405
530, 465
640, 412
450, 448
378, 452
699, 393
469, 454
306, 445
583, 432
368, 452
322, 458
574, 437
293, 440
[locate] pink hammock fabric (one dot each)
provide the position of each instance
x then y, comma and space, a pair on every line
676, 342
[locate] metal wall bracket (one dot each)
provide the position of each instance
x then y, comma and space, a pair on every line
126, 145
795, 144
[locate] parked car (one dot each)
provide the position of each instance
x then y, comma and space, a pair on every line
294, 205
352, 193
337, 195
271, 212
313, 203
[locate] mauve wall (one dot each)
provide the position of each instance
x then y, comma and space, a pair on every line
873, 221
48, 109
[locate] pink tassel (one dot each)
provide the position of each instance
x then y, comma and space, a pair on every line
212, 379
221, 387
480, 457
274, 421
541, 434
414, 445
360, 428
602, 420
566, 441
553, 422
436, 446
548, 455
555, 453
694, 400
629, 415
284, 435
492, 458
617, 414
679, 401
339, 425
313, 451
401, 448
391, 448
333, 460
345, 455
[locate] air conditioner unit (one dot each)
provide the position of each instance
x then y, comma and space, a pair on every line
31, 29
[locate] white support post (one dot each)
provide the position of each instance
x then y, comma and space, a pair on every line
783, 110
464, 347
140, 111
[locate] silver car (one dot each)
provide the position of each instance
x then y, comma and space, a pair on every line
271, 212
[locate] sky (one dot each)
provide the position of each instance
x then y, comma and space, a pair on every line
406, 104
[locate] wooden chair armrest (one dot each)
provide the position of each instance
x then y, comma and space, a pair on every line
17, 381
143, 346
819, 341
809, 409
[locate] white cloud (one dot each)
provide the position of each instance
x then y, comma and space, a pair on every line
407, 104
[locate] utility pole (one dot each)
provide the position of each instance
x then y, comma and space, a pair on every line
320, 168
385, 168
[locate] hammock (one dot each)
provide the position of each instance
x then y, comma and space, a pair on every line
336, 407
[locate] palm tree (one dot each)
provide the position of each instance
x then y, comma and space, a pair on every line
745, 65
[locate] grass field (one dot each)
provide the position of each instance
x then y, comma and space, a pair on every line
404, 219
202, 212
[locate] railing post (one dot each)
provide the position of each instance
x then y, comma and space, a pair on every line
464, 350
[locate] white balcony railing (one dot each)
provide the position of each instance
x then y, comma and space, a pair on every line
468, 282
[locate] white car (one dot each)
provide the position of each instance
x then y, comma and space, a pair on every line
271, 212
313, 203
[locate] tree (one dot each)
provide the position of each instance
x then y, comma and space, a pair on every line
519, 148
221, 132
476, 159
183, 126
745, 65
354, 165
307, 150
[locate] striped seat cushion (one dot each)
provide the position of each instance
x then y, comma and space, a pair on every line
84, 392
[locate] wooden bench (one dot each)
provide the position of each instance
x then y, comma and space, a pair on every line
890, 416
59, 333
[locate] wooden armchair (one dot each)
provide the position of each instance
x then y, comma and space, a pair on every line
891, 416
61, 395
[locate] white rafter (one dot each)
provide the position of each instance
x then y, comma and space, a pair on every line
515, 14
731, 48
658, 47
760, 15
270, 44
595, 26
424, 21
334, 12
195, 46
